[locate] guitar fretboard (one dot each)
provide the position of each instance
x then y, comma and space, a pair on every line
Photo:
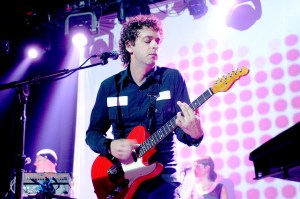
170, 126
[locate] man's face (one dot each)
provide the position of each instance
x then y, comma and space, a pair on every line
145, 48
43, 164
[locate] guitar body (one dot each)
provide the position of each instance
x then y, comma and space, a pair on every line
122, 180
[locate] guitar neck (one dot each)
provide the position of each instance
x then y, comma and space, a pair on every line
170, 126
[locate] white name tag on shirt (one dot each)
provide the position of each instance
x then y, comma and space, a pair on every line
164, 95
117, 101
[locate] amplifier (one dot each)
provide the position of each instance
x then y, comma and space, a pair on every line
61, 182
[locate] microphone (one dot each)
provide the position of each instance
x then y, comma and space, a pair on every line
186, 169
27, 161
104, 56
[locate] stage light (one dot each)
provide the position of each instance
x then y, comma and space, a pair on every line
34, 51
243, 14
87, 19
130, 8
197, 8
79, 39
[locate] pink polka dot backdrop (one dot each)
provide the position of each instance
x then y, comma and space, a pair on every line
256, 108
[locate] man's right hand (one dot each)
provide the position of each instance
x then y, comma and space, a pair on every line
122, 149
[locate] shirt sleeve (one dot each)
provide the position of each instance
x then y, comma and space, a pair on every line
182, 95
99, 123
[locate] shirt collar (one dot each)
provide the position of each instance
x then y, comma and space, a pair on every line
126, 76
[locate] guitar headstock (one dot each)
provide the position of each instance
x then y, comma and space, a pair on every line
224, 84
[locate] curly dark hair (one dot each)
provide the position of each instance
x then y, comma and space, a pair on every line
131, 29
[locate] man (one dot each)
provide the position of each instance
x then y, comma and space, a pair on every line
46, 161
143, 95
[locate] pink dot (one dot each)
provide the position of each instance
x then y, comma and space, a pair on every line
269, 180
295, 86
186, 152
183, 51
253, 193
227, 67
231, 129
249, 143
293, 54
213, 72
219, 163
215, 131
247, 111
291, 40
262, 92
201, 149
215, 116
261, 76
289, 191
278, 89
171, 65
277, 73
212, 44
280, 105
276, 58
248, 126
250, 177
296, 118
263, 108
214, 101
183, 64
229, 98
264, 124
281, 121
198, 89
232, 145
212, 58
238, 194
245, 95
260, 61
230, 113
247, 161
235, 177
294, 70
243, 63
197, 47
243, 51
198, 75
198, 61
296, 102
227, 54
216, 147
271, 192
265, 139
245, 80
233, 161
275, 44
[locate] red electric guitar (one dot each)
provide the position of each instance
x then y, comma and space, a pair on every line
112, 179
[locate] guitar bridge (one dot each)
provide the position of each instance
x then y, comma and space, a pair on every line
116, 172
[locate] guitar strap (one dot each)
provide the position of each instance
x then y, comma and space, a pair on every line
153, 93
121, 135
150, 120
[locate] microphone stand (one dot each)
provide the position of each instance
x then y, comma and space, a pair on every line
23, 92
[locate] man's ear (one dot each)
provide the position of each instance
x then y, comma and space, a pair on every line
129, 47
